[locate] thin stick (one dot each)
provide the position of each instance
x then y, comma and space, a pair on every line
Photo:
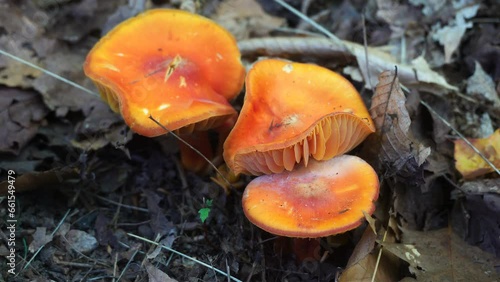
194, 149
378, 258
461, 136
56, 76
182, 255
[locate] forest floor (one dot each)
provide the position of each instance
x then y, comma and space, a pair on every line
94, 201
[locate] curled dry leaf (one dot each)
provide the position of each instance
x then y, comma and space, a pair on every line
472, 165
399, 151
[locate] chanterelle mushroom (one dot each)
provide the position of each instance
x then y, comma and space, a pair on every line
294, 111
322, 199
177, 67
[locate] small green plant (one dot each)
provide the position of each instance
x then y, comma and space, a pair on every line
204, 212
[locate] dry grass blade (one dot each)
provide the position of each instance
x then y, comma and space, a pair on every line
308, 20
52, 234
54, 75
184, 256
194, 149
462, 137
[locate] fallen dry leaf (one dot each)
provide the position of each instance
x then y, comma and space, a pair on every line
17, 36
245, 18
442, 256
482, 186
402, 154
482, 87
472, 165
40, 238
362, 263
450, 35
21, 113
156, 275
59, 96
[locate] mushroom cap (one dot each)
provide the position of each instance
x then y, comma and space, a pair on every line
293, 111
177, 67
322, 199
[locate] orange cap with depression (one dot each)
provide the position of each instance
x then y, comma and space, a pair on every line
294, 111
177, 67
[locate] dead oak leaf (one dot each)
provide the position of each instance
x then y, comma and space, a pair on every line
59, 96
450, 35
441, 255
362, 264
40, 239
156, 275
469, 163
246, 18
402, 154
21, 113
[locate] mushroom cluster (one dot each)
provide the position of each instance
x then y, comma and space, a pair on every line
296, 121
302, 115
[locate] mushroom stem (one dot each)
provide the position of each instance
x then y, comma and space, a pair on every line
306, 249
190, 159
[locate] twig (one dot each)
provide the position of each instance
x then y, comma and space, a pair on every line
182, 255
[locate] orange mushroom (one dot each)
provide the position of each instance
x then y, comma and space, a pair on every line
294, 111
177, 67
322, 199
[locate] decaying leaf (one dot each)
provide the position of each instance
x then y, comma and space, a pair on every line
472, 165
59, 96
40, 238
450, 35
482, 87
362, 263
156, 275
442, 256
17, 36
244, 18
399, 151
479, 187
21, 113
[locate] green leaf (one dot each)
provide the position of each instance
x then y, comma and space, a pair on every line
204, 212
